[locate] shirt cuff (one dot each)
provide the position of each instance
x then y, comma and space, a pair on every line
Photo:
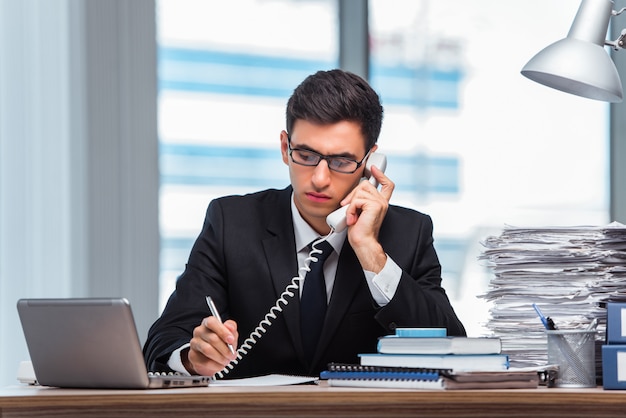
384, 284
176, 363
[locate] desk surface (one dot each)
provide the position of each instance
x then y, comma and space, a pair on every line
309, 401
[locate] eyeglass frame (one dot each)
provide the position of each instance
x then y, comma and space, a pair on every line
326, 158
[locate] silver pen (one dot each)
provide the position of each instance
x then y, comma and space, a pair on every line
216, 314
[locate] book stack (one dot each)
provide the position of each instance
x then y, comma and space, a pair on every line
431, 348
426, 358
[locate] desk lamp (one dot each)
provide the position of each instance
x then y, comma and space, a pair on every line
579, 64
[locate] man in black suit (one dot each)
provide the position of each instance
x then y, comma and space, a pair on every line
383, 273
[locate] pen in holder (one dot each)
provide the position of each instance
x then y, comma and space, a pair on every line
573, 351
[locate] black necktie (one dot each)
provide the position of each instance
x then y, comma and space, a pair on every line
313, 301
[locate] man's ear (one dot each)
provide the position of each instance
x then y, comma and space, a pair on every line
284, 146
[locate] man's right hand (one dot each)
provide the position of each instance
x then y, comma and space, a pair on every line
208, 351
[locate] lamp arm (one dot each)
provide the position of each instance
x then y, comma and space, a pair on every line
614, 13
619, 42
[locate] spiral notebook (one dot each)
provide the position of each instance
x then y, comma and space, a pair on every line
355, 375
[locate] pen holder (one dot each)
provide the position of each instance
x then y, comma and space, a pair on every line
574, 352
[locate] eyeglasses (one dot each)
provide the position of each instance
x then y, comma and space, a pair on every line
311, 159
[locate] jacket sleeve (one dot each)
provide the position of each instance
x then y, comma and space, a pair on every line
420, 299
186, 306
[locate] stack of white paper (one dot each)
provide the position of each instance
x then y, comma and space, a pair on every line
567, 271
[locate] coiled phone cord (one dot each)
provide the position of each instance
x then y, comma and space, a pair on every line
272, 314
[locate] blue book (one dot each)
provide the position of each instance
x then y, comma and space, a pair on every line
421, 332
614, 366
616, 323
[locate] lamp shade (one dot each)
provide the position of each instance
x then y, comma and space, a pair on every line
579, 64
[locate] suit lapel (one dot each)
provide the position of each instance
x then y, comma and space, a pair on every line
281, 241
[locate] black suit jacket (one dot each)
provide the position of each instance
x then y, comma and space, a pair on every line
245, 258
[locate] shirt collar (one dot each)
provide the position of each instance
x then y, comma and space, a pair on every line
304, 234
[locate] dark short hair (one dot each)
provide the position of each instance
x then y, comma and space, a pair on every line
328, 97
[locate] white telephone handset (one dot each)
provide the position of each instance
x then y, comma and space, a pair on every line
337, 219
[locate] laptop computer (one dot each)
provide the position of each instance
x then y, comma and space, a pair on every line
90, 343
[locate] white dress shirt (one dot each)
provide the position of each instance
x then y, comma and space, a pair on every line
382, 285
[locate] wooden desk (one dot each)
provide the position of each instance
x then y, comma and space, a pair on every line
309, 401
